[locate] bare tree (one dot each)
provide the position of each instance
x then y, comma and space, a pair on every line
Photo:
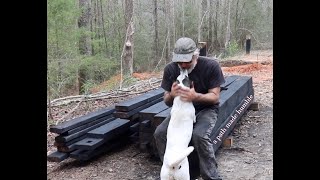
85, 39
127, 53
167, 14
156, 33
227, 40
202, 14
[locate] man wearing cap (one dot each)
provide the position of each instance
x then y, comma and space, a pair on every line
206, 76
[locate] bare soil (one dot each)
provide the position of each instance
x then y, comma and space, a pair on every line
249, 158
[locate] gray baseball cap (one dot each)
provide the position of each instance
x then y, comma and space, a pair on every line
183, 50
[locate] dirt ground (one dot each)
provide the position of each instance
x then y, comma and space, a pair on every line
249, 158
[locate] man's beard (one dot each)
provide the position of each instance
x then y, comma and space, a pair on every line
191, 68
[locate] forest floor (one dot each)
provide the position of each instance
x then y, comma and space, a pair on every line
249, 158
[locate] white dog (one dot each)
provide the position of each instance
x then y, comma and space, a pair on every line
175, 162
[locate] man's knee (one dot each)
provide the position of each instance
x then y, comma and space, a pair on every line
200, 140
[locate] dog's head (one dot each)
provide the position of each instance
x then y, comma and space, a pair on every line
183, 79
185, 82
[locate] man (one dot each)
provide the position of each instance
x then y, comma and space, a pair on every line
206, 76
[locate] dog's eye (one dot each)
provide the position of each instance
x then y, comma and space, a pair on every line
180, 167
173, 167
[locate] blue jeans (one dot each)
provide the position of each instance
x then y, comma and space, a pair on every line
202, 129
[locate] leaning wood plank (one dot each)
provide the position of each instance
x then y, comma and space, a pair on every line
139, 100
67, 125
228, 80
233, 104
57, 156
231, 98
126, 115
111, 129
82, 132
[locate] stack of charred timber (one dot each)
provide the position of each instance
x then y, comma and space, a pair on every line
135, 120
87, 136
73, 134
131, 109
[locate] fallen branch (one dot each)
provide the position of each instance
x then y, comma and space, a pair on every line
139, 87
67, 115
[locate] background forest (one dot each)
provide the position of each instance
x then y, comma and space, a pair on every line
90, 41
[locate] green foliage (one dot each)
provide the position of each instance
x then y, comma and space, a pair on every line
62, 28
62, 46
98, 69
62, 74
63, 35
89, 84
232, 49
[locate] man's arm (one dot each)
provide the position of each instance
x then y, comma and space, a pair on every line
212, 97
168, 98
169, 95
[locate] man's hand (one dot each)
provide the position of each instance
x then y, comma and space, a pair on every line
175, 89
188, 94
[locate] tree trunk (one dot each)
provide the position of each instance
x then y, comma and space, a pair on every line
128, 50
156, 34
227, 41
183, 7
85, 40
216, 44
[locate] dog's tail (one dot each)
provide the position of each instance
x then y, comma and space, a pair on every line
177, 160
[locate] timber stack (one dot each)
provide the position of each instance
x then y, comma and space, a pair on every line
136, 119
